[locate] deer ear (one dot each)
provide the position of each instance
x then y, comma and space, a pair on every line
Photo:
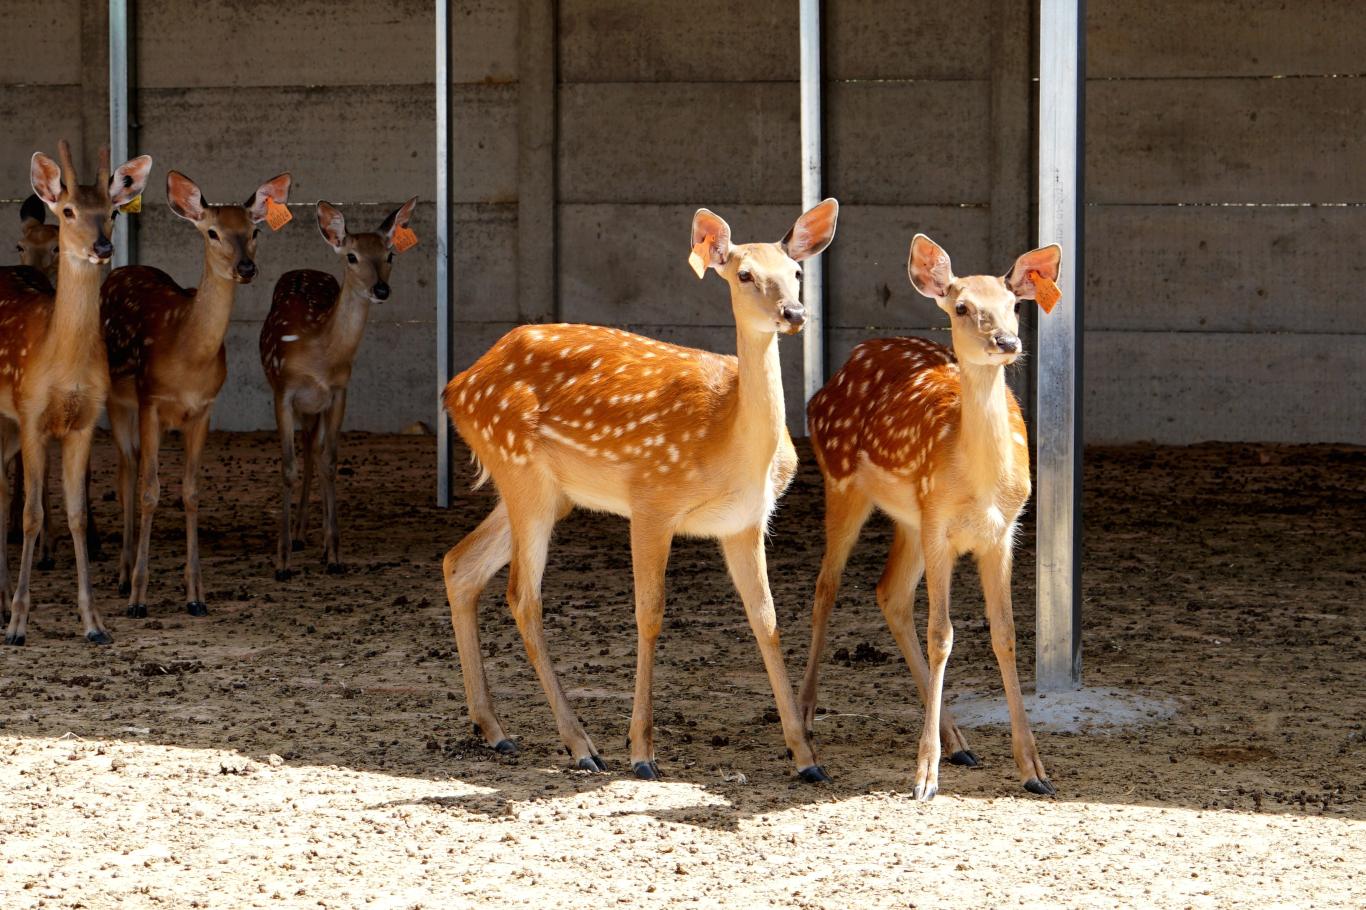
1047, 261
929, 266
276, 188
183, 195
813, 231
710, 242
128, 181
398, 218
46, 177
332, 224
33, 210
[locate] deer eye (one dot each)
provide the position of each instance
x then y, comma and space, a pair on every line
961, 309
799, 274
68, 212
1017, 306
745, 276
19, 247
391, 257
255, 233
213, 235
351, 258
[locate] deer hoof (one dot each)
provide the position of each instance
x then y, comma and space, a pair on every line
136, 611
505, 747
965, 757
814, 774
1040, 787
284, 574
925, 792
99, 637
45, 564
296, 545
336, 568
646, 770
16, 640
591, 763
197, 608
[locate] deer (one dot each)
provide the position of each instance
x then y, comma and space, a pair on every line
934, 439
308, 345
677, 440
167, 363
54, 374
38, 248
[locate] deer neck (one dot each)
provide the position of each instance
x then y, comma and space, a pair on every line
760, 414
74, 335
201, 335
346, 323
984, 424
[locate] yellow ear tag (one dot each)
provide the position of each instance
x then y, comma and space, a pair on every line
277, 215
1046, 293
404, 239
132, 206
699, 256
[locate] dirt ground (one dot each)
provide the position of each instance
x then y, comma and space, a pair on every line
307, 745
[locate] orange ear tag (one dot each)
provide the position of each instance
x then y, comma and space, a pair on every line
698, 257
404, 239
1046, 293
132, 206
277, 215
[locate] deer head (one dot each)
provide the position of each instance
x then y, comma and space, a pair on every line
229, 231
765, 278
984, 310
368, 257
38, 241
85, 214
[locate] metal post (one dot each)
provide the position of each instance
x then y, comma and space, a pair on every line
813, 281
444, 284
118, 110
1062, 77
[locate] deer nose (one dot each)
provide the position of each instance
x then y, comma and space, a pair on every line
793, 314
246, 270
381, 291
103, 248
1009, 344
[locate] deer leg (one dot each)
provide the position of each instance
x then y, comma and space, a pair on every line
749, 571
896, 597
994, 567
650, 544
195, 433
533, 506
8, 445
34, 449
149, 432
123, 424
75, 465
845, 513
45, 561
467, 569
93, 548
327, 478
289, 482
939, 636
309, 426
16, 506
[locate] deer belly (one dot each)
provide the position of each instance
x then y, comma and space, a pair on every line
730, 514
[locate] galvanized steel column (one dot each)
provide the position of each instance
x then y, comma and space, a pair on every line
445, 298
813, 281
1062, 76
118, 110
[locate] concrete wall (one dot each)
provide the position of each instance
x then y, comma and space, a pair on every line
1226, 210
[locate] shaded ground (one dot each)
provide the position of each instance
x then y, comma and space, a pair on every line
306, 745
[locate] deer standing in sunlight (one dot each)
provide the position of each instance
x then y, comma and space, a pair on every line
680, 441
54, 375
933, 438
308, 345
38, 248
167, 363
